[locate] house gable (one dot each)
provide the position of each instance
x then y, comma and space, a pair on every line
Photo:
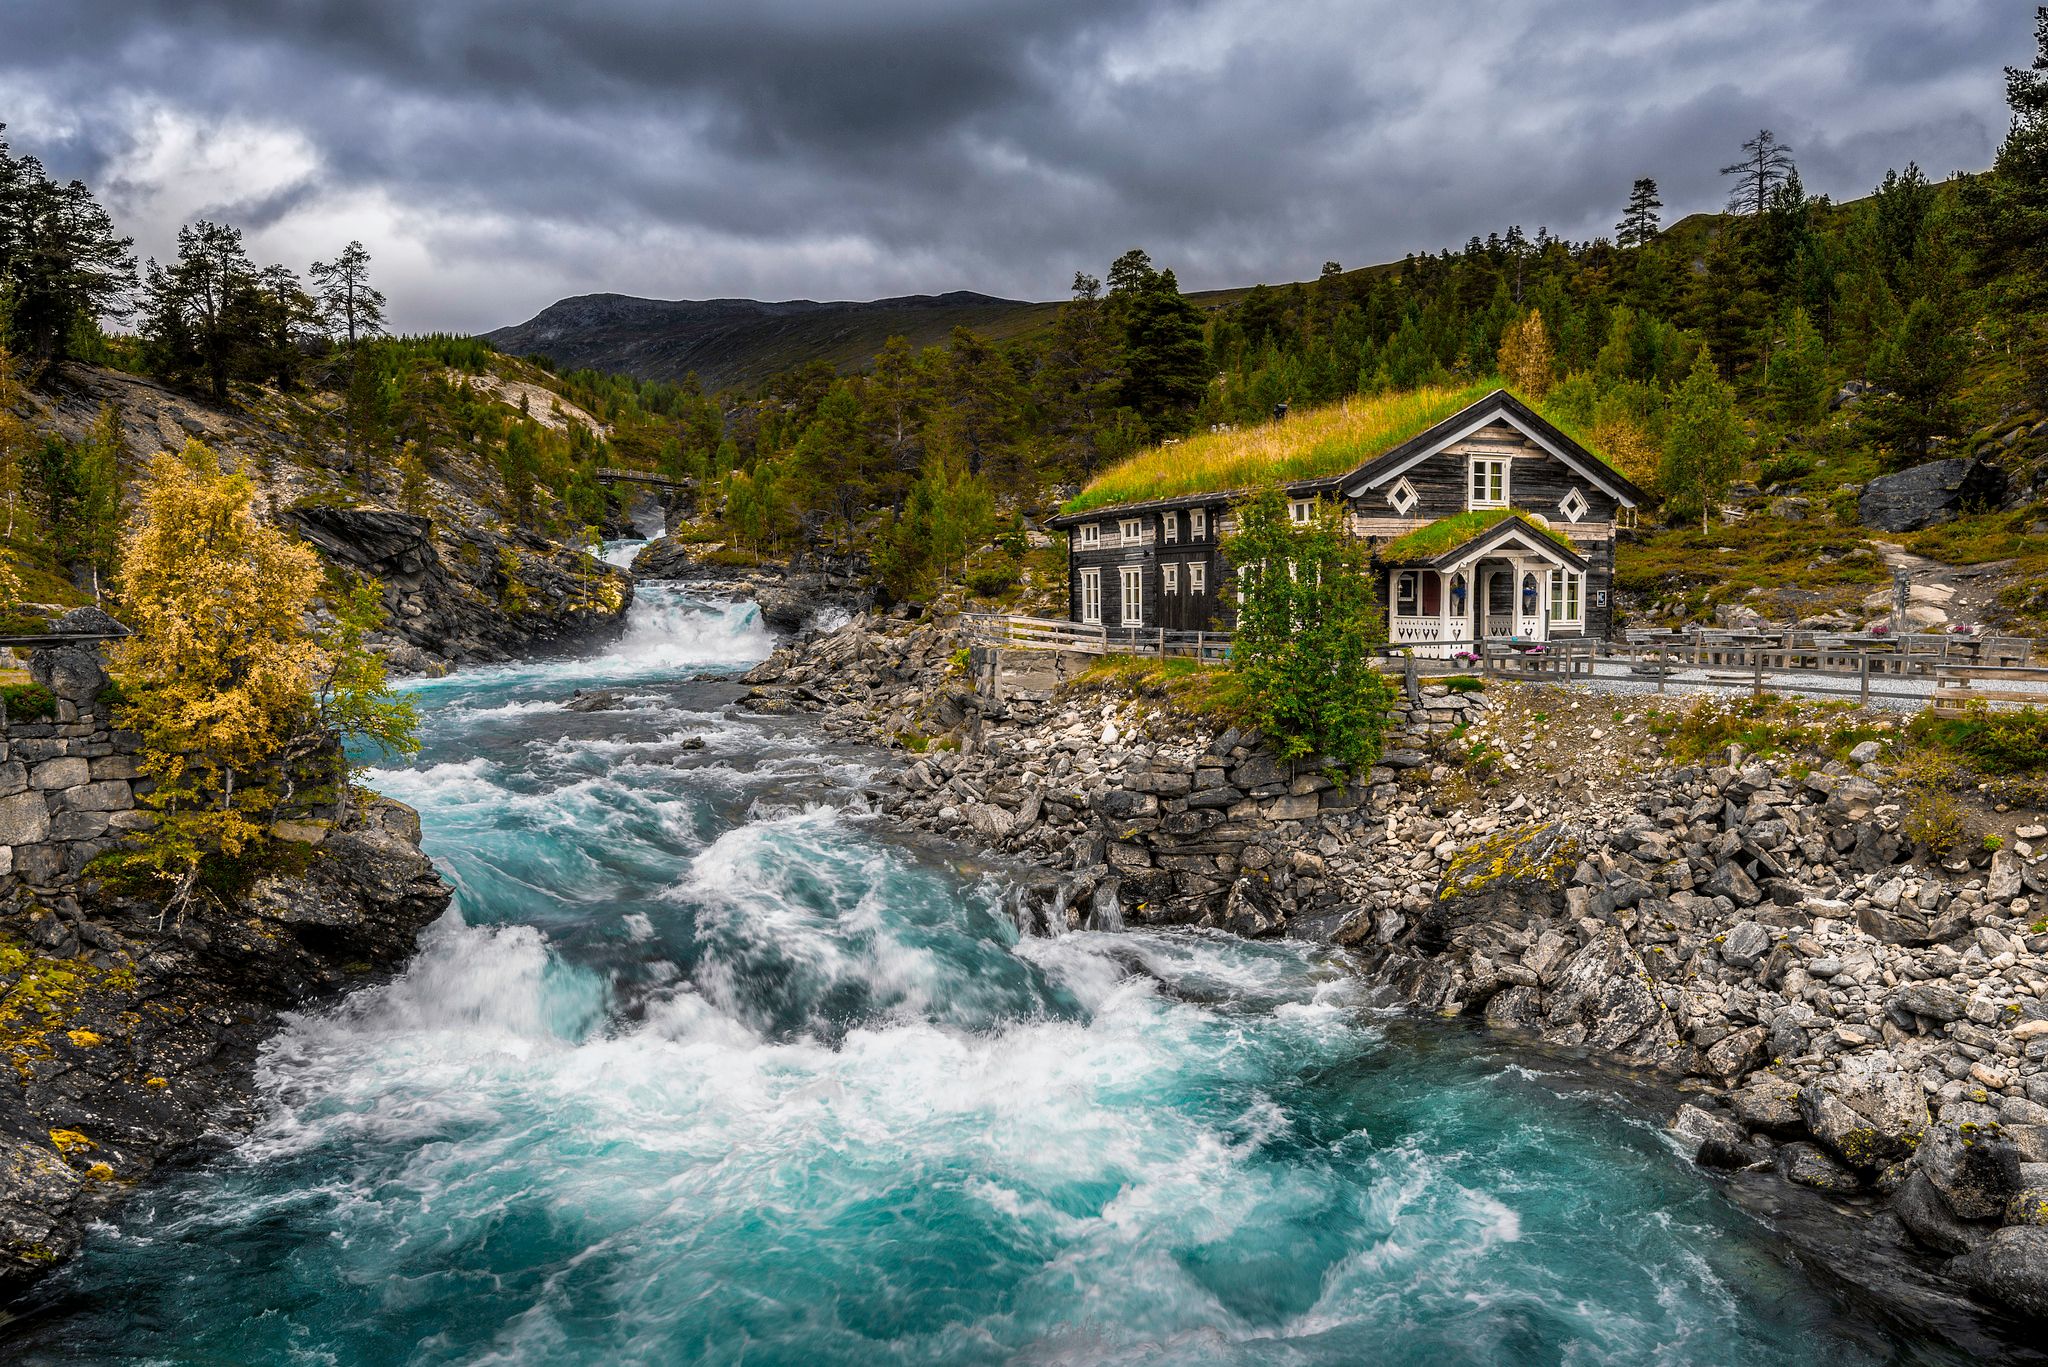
1462, 429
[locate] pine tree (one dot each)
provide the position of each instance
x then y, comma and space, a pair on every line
1765, 165
1164, 362
1639, 226
353, 308
191, 317
61, 264
1703, 441
1798, 380
1918, 370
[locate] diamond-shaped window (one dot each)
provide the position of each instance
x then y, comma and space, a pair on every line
1403, 496
1574, 506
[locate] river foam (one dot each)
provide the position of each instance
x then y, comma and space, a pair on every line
703, 1069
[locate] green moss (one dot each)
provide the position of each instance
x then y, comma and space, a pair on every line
28, 702
1449, 533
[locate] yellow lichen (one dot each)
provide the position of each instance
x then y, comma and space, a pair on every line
100, 1172
70, 1141
84, 1039
158, 1083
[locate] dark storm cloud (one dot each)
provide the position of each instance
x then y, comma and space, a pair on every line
498, 153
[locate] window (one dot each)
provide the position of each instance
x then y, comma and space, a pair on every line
1489, 482
1566, 595
1198, 577
1171, 523
1133, 530
1091, 595
1088, 536
1134, 596
1403, 496
1458, 594
1302, 510
1407, 594
1169, 579
1530, 602
1198, 524
1574, 506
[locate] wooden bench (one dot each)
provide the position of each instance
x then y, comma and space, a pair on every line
1956, 687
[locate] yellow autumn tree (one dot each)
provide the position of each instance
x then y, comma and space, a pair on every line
1623, 443
1527, 361
219, 677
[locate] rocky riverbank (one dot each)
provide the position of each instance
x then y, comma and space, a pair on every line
128, 1034
1838, 1005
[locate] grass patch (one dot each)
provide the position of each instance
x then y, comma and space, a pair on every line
1770, 725
1210, 692
1448, 533
27, 702
1981, 537
1464, 683
1995, 741
1311, 444
1828, 568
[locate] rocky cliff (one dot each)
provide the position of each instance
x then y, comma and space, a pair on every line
126, 1034
1841, 1007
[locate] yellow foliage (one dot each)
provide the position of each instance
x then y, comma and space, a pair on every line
220, 671
1628, 448
1527, 362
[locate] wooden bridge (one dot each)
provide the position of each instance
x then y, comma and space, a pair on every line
612, 474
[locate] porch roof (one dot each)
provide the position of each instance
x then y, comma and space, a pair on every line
1512, 533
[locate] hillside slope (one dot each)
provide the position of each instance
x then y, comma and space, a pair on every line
739, 343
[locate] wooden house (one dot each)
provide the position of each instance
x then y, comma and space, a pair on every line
1490, 524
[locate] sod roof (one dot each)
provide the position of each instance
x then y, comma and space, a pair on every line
1447, 534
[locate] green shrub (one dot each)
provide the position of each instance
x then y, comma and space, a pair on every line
1786, 469
28, 702
1464, 683
1998, 742
730, 558
992, 577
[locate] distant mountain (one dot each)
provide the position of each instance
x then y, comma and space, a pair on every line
741, 342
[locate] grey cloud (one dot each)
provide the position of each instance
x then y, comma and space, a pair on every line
838, 149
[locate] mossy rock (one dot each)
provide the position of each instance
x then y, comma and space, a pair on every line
1508, 878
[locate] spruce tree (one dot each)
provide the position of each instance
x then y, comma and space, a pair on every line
1918, 369
1638, 226
1703, 441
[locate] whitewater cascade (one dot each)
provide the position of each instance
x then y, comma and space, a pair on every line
703, 1066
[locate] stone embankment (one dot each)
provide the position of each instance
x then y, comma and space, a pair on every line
1838, 1005
128, 1035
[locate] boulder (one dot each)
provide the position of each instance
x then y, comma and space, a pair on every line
1807, 1166
2009, 1268
1604, 1000
1869, 1111
1770, 1106
1718, 1142
1746, 941
1927, 1217
1975, 1172
1925, 495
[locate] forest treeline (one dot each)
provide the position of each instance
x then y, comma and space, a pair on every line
1679, 352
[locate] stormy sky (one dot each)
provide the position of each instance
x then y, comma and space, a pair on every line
497, 154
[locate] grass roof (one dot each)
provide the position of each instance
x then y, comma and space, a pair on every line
1449, 533
1312, 444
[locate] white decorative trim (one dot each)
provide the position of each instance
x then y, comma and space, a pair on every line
1498, 414
1402, 496
1573, 505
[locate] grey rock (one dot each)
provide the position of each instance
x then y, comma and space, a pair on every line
1976, 1173
1746, 943
1603, 999
1809, 1167
1935, 492
1718, 1142
1927, 1217
1869, 1111
2009, 1268
1930, 1000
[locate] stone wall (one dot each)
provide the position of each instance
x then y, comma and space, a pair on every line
68, 784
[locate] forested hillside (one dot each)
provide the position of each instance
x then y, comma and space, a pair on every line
1757, 368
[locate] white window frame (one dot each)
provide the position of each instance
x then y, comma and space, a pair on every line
1169, 578
1301, 511
1169, 527
1198, 577
1573, 505
1091, 597
1402, 497
1131, 595
1408, 586
1088, 536
1567, 597
1198, 524
1478, 471
1132, 530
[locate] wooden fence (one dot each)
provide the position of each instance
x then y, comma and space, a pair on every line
1956, 687
1088, 638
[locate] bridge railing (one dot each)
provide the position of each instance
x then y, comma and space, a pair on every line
1090, 638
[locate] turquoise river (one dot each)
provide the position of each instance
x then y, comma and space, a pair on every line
706, 1066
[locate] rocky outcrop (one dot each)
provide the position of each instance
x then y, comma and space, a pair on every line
469, 595
128, 1032
1925, 495
1842, 1007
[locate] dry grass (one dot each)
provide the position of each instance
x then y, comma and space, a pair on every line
1312, 444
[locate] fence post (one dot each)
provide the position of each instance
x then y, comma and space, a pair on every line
1863, 677
1661, 649
1756, 660
1411, 677
1201, 647
1162, 643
